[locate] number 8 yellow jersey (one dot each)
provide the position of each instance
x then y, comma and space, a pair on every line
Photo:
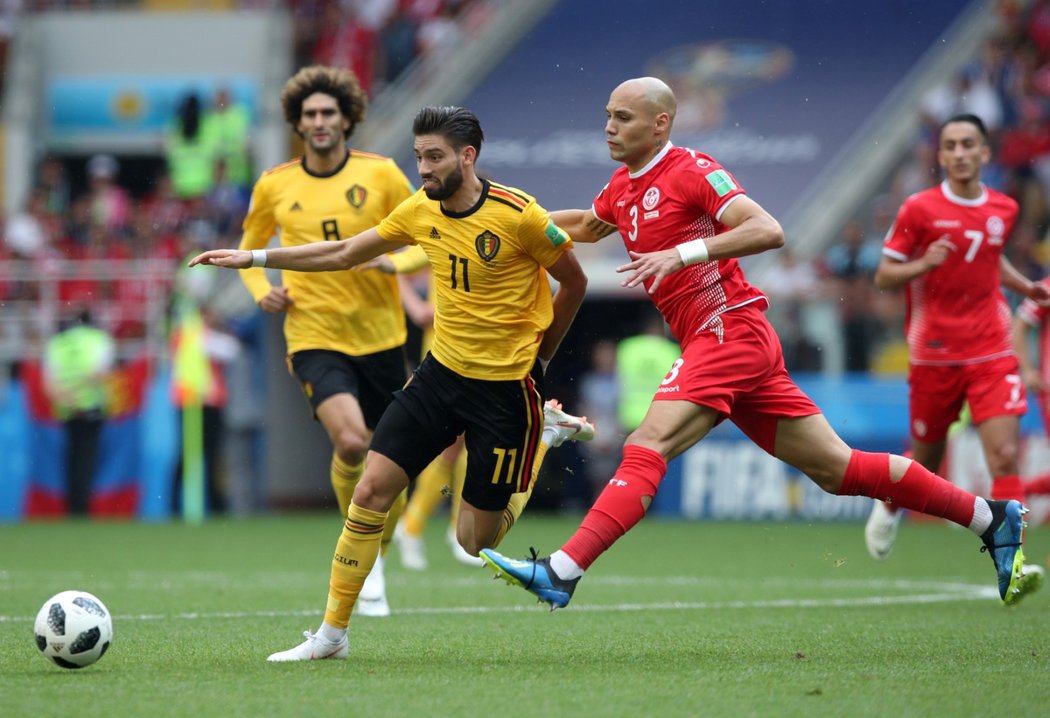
353, 312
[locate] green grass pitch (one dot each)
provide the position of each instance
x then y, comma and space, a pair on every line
679, 619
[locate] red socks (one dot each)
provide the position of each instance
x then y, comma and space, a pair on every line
1038, 486
918, 490
1005, 488
619, 507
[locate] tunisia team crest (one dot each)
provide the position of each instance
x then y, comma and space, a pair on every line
487, 245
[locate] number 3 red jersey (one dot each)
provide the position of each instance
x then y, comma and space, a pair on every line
678, 197
957, 313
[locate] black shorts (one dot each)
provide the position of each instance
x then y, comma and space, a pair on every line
503, 421
372, 379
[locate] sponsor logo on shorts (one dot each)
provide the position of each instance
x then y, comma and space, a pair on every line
919, 427
668, 389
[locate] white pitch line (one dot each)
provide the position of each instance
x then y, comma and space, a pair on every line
972, 593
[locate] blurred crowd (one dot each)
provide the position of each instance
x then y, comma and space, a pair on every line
826, 309
1008, 85
99, 244
377, 39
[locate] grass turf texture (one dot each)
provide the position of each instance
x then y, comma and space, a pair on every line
680, 618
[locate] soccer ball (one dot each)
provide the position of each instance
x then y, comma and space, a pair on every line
73, 629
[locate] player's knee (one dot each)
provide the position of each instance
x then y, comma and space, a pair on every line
1003, 459
376, 493
351, 446
828, 480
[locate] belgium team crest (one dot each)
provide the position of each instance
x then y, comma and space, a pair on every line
356, 196
487, 245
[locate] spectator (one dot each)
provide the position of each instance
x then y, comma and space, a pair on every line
110, 203
190, 152
346, 42
398, 41
26, 233
77, 365
227, 129
789, 285
600, 403
226, 202
53, 184
642, 362
850, 265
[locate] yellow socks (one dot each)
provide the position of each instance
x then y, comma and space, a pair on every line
518, 501
391, 522
344, 479
426, 496
355, 553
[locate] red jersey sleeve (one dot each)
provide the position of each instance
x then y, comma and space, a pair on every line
904, 236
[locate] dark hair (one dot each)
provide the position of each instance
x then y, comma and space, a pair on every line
335, 82
458, 125
966, 117
190, 117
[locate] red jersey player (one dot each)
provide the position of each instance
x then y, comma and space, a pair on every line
946, 248
684, 220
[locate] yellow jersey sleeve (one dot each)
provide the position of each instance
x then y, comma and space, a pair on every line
412, 259
259, 228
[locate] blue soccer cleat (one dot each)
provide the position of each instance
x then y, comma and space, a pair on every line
534, 575
1003, 541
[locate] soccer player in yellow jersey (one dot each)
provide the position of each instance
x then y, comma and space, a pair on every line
496, 326
345, 331
444, 475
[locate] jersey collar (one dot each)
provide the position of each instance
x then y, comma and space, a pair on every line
653, 162
337, 170
477, 205
964, 201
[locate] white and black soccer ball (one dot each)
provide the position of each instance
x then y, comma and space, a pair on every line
73, 629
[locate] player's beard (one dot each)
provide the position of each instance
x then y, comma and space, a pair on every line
446, 187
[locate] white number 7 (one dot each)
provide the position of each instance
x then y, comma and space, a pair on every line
975, 238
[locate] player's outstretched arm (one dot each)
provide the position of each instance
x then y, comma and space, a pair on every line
313, 257
581, 225
752, 230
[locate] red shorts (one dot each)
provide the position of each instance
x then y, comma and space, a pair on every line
991, 388
736, 367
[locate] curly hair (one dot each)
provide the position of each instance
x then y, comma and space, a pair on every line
336, 82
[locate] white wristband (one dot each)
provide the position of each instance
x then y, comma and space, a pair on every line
692, 252
258, 257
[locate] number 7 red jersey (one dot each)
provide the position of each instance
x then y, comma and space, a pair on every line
678, 197
956, 313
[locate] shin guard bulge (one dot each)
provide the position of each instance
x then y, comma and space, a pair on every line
355, 554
